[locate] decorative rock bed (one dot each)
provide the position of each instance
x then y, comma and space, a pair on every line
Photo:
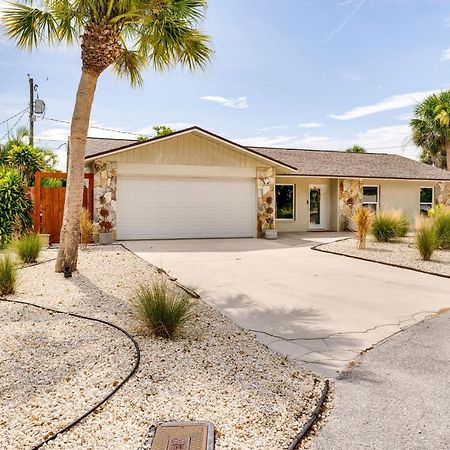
401, 252
53, 368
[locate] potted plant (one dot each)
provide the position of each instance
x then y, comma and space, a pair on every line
271, 232
105, 234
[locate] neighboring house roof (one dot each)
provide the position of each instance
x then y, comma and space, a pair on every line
312, 163
95, 146
327, 163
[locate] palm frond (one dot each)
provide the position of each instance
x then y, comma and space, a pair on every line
130, 64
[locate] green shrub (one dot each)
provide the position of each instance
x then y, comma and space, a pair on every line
161, 308
8, 275
441, 224
426, 241
28, 248
389, 225
15, 208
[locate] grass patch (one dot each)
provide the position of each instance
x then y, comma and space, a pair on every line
86, 228
163, 309
8, 275
28, 248
426, 240
441, 225
363, 218
390, 225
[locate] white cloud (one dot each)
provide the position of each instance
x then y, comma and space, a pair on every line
342, 25
389, 139
310, 125
387, 104
351, 75
273, 127
265, 141
237, 103
445, 55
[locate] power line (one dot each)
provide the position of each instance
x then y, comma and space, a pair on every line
97, 128
15, 115
14, 126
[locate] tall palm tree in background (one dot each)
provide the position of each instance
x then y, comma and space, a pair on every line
431, 129
125, 34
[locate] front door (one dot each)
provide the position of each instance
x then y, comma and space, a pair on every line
317, 207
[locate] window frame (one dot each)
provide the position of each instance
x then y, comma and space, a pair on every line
426, 203
294, 198
377, 203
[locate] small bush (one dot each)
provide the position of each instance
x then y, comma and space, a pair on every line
161, 308
363, 218
86, 227
7, 275
28, 248
426, 241
441, 224
390, 225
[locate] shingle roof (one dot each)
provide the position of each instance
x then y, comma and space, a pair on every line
100, 145
354, 165
323, 163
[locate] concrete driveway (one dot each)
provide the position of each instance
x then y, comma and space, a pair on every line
319, 309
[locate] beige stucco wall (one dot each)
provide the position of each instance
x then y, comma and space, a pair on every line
403, 195
187, 149
301, 222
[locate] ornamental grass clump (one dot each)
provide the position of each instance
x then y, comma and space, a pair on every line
390, 225
28, 248
363, 218
426, 241
163, 309
8, 275
440, 215
86, 228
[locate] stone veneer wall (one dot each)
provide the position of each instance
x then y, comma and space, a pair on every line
350, 198
443, 193
105, 185
265, 179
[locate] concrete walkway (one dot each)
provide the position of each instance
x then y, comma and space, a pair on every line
319, 309
397, 397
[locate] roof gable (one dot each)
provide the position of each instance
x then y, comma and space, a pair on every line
97, 150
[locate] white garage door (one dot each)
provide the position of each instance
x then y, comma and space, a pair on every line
163, 208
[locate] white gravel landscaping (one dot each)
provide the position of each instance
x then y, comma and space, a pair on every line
55, 367
401, 252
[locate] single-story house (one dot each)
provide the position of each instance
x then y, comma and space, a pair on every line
196, 184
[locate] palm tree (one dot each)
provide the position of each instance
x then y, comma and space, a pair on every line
125, 34
356, 149
431, 129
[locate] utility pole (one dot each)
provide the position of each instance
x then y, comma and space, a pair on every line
31, 131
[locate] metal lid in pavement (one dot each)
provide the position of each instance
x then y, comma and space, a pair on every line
182, 436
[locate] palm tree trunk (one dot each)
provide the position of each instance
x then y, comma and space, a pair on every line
447, 149
70, 231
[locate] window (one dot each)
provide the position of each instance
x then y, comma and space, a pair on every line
371, 197
426, 199
285, 201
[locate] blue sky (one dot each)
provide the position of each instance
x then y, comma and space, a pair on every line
321, 74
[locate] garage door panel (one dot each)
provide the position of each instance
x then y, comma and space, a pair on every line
154, 208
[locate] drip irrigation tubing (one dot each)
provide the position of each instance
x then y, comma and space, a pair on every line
295, 443
105, 399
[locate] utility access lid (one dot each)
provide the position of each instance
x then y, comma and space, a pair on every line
181, 436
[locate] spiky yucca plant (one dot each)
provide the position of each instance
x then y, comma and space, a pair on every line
86, 228
389, 225
363, 218
127, 35
28, 248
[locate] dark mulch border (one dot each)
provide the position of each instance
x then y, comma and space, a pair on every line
399, 266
